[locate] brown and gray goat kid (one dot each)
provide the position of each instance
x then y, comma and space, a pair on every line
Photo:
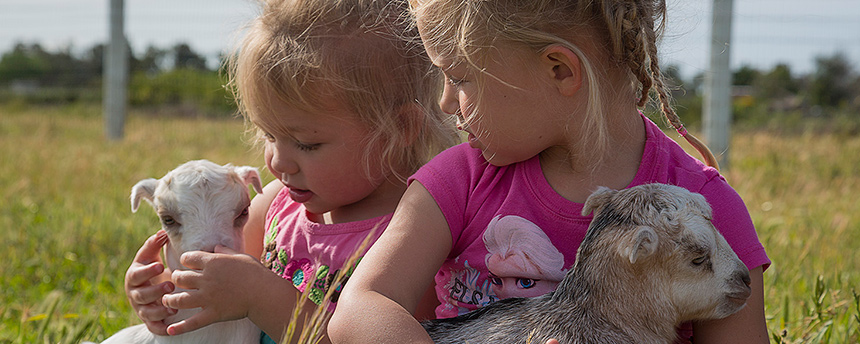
651, 259
201, 205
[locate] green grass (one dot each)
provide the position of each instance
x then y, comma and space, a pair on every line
68, 233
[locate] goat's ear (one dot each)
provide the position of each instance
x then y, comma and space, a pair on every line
597, 200
640, 245
143, 189
250, 175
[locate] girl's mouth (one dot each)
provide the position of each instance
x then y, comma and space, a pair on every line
300, 196
473, 141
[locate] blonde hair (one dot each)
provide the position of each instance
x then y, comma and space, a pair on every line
468, 29
310, 54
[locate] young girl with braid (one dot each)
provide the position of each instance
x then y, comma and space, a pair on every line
549, 92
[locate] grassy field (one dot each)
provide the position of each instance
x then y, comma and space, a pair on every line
68, 233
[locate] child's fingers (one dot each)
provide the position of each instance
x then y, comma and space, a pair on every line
195, 322
182, 300
139, 275
195, 260
186, 279
149, 294
149, 252
154, 312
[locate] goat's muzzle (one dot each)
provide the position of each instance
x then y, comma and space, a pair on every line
741, 287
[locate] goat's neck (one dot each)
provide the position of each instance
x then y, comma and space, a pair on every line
618, 306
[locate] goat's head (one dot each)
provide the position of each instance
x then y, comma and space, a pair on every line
200, 204
664, 232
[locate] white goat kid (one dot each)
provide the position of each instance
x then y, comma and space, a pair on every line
651, 259
201, 205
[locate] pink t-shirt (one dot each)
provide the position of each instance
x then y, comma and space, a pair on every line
514, 236
299, 249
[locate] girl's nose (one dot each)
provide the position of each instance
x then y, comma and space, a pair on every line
448, 102
281, 161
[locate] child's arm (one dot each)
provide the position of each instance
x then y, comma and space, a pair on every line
255, 229
746, 326
146, 281
388, 284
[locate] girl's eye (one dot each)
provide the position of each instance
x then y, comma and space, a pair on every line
454, 82
306, 147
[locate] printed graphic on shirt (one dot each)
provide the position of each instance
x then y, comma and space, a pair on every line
463, 287
522, 260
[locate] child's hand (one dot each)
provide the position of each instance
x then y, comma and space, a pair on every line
219, 283
143, 291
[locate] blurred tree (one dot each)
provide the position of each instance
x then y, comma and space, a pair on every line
23, 63
152, 62
184, 57
744, 75
778, 83
831, 83
93, 60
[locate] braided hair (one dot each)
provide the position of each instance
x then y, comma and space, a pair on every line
467, 28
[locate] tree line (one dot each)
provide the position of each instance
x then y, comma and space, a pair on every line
176, 77
760, 97
180, 78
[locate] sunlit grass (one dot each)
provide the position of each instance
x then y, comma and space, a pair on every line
67, 225
68, 233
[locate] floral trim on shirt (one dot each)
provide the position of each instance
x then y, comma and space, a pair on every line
302, 273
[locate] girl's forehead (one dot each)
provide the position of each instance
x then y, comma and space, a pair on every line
292, 120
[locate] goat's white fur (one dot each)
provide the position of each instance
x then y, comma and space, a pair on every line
201, 205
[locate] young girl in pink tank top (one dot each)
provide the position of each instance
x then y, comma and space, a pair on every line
345, 109
549, 93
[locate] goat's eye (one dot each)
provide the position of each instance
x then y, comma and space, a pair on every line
243, 213
700, 260
168, 220
240, 219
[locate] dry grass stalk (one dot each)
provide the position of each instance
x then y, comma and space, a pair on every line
313, 330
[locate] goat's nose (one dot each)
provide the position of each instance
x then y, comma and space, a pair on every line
744, 276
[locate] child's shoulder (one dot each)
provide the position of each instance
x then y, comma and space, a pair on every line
666, 161
459, 153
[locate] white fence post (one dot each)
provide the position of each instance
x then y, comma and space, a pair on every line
717, 114
115, 74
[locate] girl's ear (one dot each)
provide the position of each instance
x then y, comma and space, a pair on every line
564, 67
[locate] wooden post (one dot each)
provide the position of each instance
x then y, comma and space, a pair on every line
115, 81
717, 114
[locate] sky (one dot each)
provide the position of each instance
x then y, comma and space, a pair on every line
764, 32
